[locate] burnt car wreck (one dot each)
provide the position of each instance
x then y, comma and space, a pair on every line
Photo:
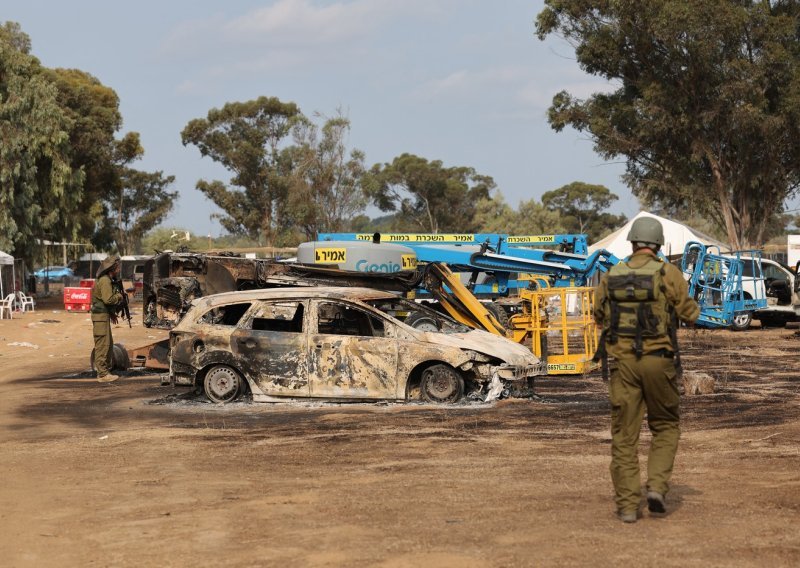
340, 343
172, 280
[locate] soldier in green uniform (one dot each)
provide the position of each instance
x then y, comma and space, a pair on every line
638, 303
106, 298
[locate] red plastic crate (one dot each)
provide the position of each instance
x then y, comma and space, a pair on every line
77, 299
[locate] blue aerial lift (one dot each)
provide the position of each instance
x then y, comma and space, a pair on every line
729, 287
540, 296
501, 263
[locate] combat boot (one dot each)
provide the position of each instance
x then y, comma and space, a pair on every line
627, 517
107, 378
655, 503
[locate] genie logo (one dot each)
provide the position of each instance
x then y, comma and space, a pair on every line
365, 266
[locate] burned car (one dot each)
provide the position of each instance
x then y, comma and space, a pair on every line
339, 343
172, 280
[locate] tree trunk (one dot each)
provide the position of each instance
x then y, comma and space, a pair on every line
266, 227
432, 224
724, 203
120, 238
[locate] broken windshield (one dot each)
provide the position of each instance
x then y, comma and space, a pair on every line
418, 316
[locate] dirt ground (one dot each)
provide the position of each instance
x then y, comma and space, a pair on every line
130, 474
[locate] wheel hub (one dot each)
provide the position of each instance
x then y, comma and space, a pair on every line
440, 386
223, 385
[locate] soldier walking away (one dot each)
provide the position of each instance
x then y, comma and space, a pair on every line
106, 298
638, 303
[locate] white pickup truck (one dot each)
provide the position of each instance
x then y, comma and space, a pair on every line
783, 302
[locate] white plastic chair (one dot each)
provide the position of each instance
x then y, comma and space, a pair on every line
25, 302
7, 305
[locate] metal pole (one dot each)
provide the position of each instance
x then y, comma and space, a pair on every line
47, 270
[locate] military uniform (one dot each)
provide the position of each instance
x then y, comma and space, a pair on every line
643, 375
105, 299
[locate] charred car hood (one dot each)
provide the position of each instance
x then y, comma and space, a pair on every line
488, 344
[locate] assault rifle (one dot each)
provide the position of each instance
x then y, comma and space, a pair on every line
124, 306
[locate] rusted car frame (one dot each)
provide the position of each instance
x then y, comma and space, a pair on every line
173, 279
339, 343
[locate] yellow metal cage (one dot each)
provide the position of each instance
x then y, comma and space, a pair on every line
559, 325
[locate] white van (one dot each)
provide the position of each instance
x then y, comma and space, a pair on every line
779, 283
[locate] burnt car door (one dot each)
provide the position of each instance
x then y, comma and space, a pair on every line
271, 347
353, 352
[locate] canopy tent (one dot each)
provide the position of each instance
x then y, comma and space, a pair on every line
6, 260
676, 235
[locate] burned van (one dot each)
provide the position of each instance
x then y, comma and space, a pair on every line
173, 279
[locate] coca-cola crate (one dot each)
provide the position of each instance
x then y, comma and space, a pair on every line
86, 283
77, 299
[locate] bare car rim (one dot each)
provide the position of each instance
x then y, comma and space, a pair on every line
222, 384
441, 383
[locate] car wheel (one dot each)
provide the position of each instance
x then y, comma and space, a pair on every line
119, 359
422, 322
441, 384
222, 384
742, 321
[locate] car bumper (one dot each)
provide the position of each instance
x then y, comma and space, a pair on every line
181, 374
517, 372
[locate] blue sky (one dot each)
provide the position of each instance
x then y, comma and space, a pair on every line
462, 81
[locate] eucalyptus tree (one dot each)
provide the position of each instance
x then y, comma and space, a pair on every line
704, 106
325, 181
143, 203
93, 109
582, 208
427, 195
39, 189
531, 217
248, 139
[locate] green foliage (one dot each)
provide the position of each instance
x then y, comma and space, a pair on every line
246, 139
170, 238
706, 109
144, 203
494, 215
427, 196
231, 242
174, 238
363, 224
38, 187
61, 166
325, 182
580, 207
94, 111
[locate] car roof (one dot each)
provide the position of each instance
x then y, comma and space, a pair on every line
778, 262
294, 293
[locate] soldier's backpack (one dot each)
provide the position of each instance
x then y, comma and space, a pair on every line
637, 304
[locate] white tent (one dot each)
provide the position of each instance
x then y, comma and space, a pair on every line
676, 235
6, 260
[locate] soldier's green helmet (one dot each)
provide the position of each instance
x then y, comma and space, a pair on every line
646, 230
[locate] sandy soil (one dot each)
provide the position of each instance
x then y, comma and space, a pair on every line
130, 474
